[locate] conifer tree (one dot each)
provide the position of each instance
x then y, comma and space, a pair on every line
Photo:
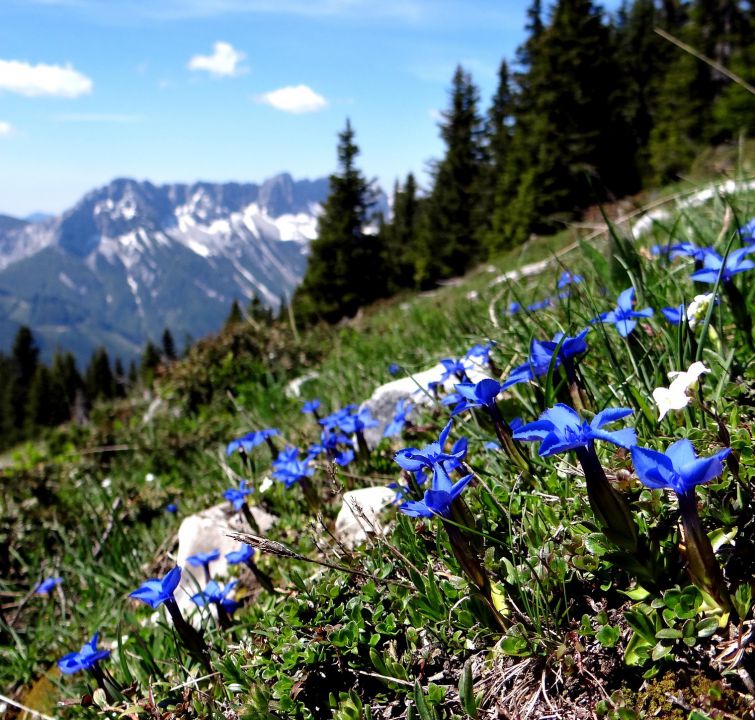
66, 376
234, 315
47, 405
399, 238
169, 347
151, 360
23, 365
343, 271
98, 377
451, 243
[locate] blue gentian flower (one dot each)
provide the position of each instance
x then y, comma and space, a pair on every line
452, 367
479, 354
242, 555
289, 469
541, 355
675, 315
155, 592
46, 586
85, 659
394, 369
492, 446
540, 305
395, 426
237, 496
358, 422
203, 559
311, 406
437, 499
747, 231
336, 419
623, 316
251, 440
513, 308
678, 469
560, 428
688, 249
481, 394
567, 278
414, 460
171, 508
213, 593
736, 262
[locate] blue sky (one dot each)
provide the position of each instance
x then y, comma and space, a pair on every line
219, 90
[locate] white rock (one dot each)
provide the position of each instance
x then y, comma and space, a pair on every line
293, 389
382, 403
206, 531
358, 516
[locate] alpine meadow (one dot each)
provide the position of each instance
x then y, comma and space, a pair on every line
480, 447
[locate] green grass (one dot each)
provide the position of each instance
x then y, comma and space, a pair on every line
415, 640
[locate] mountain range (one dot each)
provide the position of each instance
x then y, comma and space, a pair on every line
132, 258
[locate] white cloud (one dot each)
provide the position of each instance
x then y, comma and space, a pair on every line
43, 80
295, 99
5, 128
224, 61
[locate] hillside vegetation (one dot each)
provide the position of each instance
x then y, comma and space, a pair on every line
571, 571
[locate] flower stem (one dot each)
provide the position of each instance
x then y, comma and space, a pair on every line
702, 566
190, 637
249, 516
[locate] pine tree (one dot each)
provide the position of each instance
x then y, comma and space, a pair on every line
343, 271
47, 405
23, 365
453, 208
66, 376
151, 360
399, 238
567, 134
234, 315
169, 347
499, 184
99, 382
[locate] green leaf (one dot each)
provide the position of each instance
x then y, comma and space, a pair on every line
423, 710
466, 690
706, 627
608, 636
669, 634
660, 650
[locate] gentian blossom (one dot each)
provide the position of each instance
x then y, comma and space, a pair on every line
242, 555
171, 508
678, 469
480, 394
86, 659
540, 305
414, 460
560, 428
735, 263
400, 418
213, 593
251, 440
541, 355
688, 249
155, 592
203, 559
394, 369
453, 367
675, 315
438, 498
311, 406
623, 316
568, 278
46, 586
747, 231
237, 496
358, 422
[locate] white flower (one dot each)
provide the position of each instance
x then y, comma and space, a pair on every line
265, 485
106, 483
149, 477
698, 308
676, 395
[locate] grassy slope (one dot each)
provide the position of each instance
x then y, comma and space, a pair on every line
97, 521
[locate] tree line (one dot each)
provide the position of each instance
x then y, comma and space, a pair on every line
34, 395
593, 108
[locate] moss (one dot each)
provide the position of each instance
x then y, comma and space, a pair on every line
675, 693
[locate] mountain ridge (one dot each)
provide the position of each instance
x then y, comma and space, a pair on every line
131, 258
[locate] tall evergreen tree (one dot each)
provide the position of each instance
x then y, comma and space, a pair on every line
343, 271
151, 360
66, 376
399, 238
98, 377
451, 243
169, 347
234, 315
